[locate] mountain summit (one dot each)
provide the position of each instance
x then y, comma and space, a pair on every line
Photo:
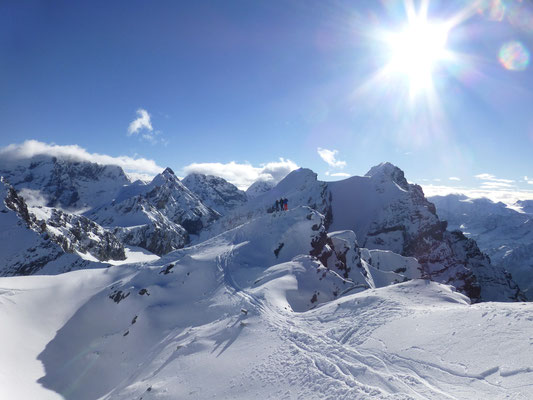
386, 170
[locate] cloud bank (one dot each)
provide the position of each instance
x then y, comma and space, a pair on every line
32, 148
507, 196
243, 175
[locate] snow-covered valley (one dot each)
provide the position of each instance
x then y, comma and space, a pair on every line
171, 290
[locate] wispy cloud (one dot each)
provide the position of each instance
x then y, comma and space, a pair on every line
243, 175
142, 122
31, 148
329, 156
492, 178
454, 178
496, 185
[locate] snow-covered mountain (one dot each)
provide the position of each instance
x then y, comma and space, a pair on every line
501, 232
76, 233
64, 183
215, 192
253, 313
258, 188
26, 246
345, 295
388, 213
158, 216
526, 206
384, 211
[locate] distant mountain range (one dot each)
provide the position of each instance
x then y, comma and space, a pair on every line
503, 233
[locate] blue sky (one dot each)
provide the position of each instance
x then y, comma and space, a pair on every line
253, 81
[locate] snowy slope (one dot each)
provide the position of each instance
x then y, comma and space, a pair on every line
503, 233
215, 192
32, 310
220, 320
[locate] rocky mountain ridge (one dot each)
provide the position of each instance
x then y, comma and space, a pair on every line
26, 245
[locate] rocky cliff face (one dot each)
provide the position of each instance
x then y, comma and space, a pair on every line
76, 233
26, 247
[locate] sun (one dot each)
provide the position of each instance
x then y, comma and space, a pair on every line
416, 50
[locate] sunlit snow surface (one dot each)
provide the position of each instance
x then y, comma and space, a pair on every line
229, 319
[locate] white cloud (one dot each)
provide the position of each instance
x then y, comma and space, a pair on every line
143, 121
492, 178
496, 185
454, 178
243, 175
437, 179
329, 157
31, 148
339, 174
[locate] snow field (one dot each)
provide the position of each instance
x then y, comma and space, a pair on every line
216, 320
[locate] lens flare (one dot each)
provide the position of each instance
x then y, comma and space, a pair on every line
492, 9
521, 16
514, 56
417, 50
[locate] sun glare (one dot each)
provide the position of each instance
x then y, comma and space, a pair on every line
416, 50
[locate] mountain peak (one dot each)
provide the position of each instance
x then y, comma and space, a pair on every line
168, 171
301, 174
165, 177
386, 170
